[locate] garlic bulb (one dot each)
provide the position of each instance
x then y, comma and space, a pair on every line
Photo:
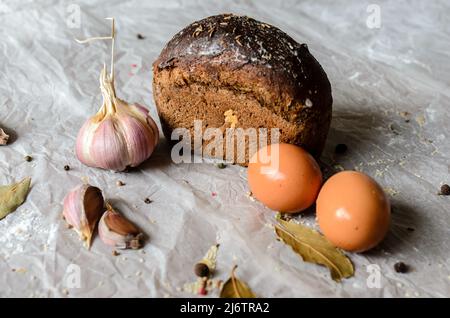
119, 135
116, 231
83, 207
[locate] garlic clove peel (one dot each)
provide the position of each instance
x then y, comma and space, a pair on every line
3, 137
120, 135
83, 207
116, 231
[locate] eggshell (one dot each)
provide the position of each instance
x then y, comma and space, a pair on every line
284, 177
353, 211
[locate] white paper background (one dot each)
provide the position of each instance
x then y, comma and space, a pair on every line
49, 86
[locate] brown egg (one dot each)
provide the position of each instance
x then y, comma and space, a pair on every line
353, 211
284, 177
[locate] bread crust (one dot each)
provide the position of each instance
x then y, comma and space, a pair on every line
235, 62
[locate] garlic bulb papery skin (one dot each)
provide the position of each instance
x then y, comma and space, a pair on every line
116, 231
120, 135
83, 208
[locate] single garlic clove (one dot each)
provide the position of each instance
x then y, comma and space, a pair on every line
144, 111
84, 142
116, 231
83, 207
141, 141
108, 148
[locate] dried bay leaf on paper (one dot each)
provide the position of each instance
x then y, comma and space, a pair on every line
12, 196
235, 288
313, 247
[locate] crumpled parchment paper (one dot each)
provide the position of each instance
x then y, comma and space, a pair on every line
49, 87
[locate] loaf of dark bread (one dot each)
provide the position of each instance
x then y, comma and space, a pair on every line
228, 64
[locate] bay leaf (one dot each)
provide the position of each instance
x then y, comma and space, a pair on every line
235, 288
12, 196
313, 247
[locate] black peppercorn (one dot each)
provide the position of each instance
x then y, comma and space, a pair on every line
147, 200
401, 267
140, 36
221, 165
28, 158
66, 167
445, 189
201, 270
340, 148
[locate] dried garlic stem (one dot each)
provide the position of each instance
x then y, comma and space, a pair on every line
107, 82
112, 38
108, 91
